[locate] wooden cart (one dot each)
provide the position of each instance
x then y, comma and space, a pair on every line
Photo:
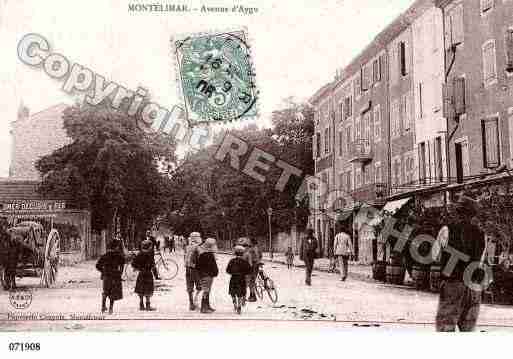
38, 252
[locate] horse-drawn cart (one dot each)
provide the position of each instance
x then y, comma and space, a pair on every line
37, 252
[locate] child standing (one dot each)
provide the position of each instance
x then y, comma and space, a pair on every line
144, 262
111, 266
290, 257
238, 268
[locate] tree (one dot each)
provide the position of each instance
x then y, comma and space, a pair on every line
111, 167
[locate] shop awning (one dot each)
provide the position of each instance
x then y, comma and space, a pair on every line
391, 207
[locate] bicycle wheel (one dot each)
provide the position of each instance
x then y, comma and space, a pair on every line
167, 268
259, 288
129, 273
271, 290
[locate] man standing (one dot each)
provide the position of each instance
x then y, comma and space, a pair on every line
308, 254
343, 248
191, 256
458, 303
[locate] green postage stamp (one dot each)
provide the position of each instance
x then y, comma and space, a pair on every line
216, 77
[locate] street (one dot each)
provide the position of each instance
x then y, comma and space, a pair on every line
328, 303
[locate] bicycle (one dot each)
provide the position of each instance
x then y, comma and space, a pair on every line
166, 268
264, 282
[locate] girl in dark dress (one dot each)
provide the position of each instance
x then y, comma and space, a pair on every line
144, 262
206, 266
111, 266
238, 268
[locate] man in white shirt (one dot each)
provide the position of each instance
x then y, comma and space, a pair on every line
342, 249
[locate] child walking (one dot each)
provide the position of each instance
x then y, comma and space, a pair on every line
290, 257
111, 266
238, 268
144, 262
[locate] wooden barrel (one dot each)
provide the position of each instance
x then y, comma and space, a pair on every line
395, 273
379, 270
434, 278
420, 276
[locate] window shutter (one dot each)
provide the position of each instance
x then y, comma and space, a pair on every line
489, 61
509, 50
341, 110
402, 58
490, 133
459, 95
382, 66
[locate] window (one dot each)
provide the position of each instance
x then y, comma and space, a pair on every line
438, 159
377, 123
382, 66
348, 138
491, 149
358, 178
357, 86
376, 71
489, 62
326, 140
366, 73
454, 26
341, 110
409, 166
397, 172
421, 100
349, 181
377, 173
367, 174
459, 95
394, 113
509, 50
486, 5
402, 58
366, 127
405, 112
340, 143
348, 107
357, 129
422, 161
318, 145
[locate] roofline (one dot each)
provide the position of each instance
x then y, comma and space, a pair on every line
40, 112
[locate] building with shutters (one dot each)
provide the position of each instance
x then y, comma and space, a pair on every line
479, 90
366, 122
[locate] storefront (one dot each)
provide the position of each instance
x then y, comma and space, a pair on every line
19, 201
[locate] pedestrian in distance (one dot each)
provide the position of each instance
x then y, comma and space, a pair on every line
459, 303
144, 262
207, 271
343, 249
308, 254
289, 255
192, 282
238, 268
173, 244
111, 266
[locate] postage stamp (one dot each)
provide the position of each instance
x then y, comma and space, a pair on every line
216, 77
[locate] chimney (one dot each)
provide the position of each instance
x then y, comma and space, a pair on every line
23, 111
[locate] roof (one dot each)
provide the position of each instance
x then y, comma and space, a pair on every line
20, 190
48, 113
320, 92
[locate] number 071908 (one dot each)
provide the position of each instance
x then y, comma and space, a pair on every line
24, 347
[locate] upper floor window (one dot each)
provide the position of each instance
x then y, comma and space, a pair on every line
348, 107
401, 51
318, 144
377, 173
348, 138
326, 140
459, 95
341, 110
340, 143
406, 112
509, 50
486, 5
366, 74
395, 119
491, 144
409, 168
454, 26
376, 71
357, 87
489, 62
377, 123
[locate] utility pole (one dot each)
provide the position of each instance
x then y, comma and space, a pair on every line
269, 214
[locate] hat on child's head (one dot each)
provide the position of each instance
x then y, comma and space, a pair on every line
146, 246
195, 238
238, 250
244, 242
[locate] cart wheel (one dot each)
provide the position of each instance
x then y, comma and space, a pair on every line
51, 261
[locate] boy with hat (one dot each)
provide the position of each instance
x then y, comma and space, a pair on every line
144, 262
238, 268
111, 266
191, 274
207, 270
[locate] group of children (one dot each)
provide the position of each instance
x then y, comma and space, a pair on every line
111, 266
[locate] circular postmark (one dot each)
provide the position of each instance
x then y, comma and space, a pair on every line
217, 77
20, 299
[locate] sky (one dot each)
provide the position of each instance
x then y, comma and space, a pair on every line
297, 45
